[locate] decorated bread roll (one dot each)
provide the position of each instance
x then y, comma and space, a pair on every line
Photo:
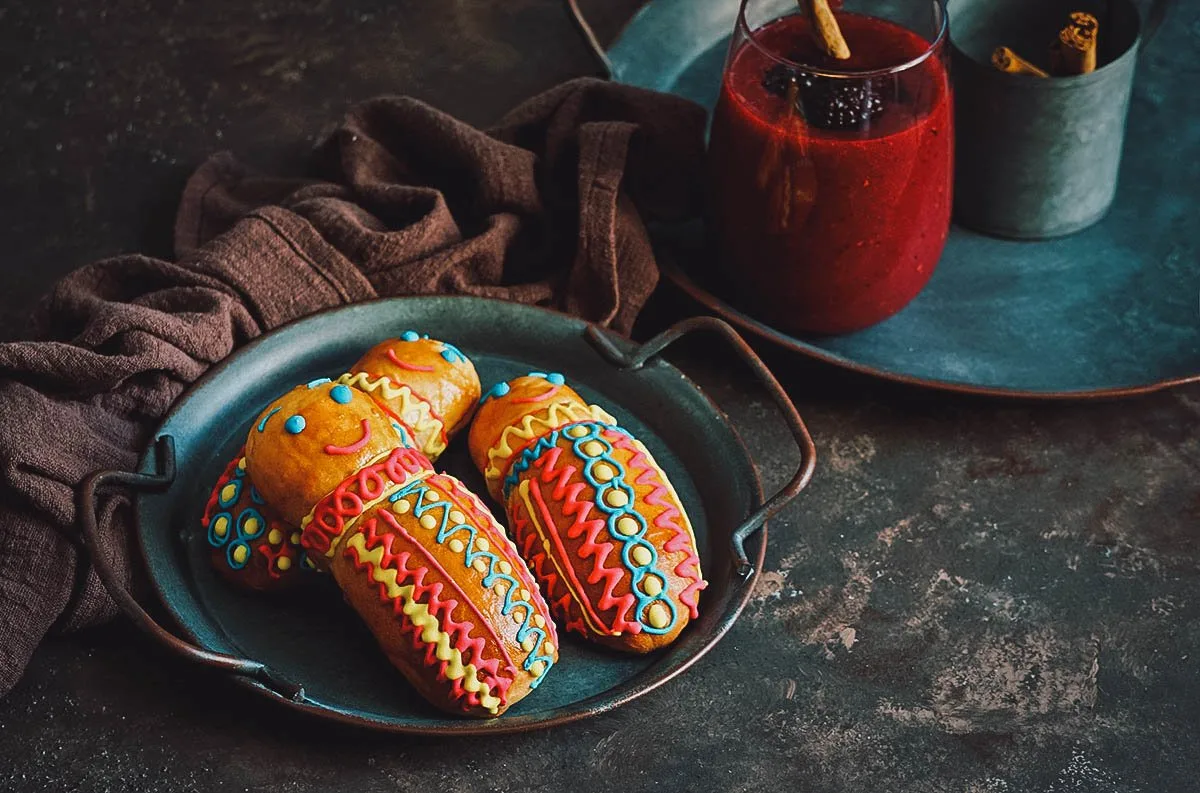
251, 546
427, 385
417, 555
591, 512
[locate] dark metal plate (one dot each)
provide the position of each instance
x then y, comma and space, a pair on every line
317, 642
1112, 310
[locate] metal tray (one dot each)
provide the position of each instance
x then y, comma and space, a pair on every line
310, 652
1110, 311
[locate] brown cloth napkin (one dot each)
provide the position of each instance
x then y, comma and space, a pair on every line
546, 208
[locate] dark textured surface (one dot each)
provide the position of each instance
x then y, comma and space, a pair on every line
971, 596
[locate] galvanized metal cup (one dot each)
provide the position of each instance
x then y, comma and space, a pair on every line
1037, 157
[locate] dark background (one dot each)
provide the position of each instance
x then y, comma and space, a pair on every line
972, 596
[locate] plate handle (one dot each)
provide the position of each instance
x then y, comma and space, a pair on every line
85, 505
638, 357
589, 37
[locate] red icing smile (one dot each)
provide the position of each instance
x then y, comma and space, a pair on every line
355, 447
538, 398
412, 367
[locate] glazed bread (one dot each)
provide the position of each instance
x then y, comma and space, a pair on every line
252, 547
427, 385
438, 582
309, 440
420, 558
591, 512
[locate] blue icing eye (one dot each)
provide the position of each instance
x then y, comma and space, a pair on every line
409, 335
498, 390
542, 375
556, 378
317, 382
295, 424
340, 394
452, 353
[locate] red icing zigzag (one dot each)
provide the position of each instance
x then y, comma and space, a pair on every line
557, 594
350, 497
668, 519
470, 648
592, 534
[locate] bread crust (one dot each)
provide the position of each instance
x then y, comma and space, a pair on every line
439, 584
595, 517
443, 385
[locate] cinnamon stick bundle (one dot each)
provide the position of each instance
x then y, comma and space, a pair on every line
1075, 50
1004, 59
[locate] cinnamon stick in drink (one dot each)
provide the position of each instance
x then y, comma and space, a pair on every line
825, 28
1004, 59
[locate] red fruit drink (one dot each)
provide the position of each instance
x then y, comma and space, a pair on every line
830, 196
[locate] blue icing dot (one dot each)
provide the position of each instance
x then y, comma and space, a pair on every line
556, 378
317, 382
340, 394
409, 335
542, 375
295, 424
498, 390
452, 353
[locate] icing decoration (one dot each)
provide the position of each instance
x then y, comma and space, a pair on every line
262, 425
452, 354
319, 381
534, 426
411, 367
495, 392
554, 378
413, 411
340, 394
428, 618
403, 433
671, 519
428, 501
295, 424
333, 515
613, 497
235, 532
355, 447
412, 335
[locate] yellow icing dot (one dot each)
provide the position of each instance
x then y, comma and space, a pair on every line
241, 554
548, 648
221, 526
652, 585
275, 537
482, 544
228, 492
251, 527
525, 594
603, 472
242, 464
518, 614
428, 521
457, 517
457, 546
283, 563
505, 567
593, 448
401, 507
295, 538
641, 555
537, 667
627, 525
500, 588
577, 431
527, 645
616, 498
480, 564
539, 620
658, 616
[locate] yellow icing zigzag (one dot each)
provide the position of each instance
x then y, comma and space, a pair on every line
535, 425
431, 632
414, 411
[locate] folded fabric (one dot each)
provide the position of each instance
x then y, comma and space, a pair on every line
548, 208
